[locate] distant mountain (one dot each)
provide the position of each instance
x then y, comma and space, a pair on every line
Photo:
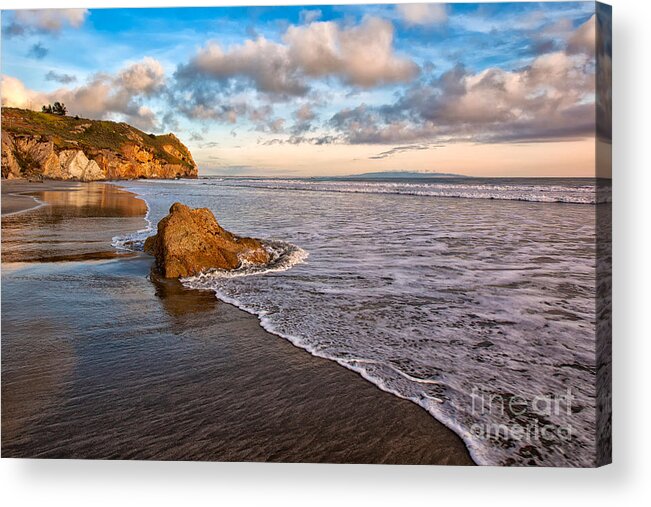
403, 174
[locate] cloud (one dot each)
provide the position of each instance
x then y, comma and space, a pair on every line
16, 94
401, 149
264, 119
315, 140
376, 125
103, 96
604, 72
549, 99
303, 119
38, 51
552, 98
60, 77
276, 125
423, 14
264, 63
308, 16
360, 55
584, 39
45, 20
305, 113
145, 77
540, 46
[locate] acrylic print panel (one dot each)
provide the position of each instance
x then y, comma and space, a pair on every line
347, 234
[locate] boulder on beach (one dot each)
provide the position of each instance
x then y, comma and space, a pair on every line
190, 241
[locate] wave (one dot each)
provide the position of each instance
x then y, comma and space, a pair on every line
134, 241
571, 194
39, 204
284, 255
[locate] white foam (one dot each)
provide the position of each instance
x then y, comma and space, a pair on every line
283, 256
575, 194
39, 204
134, 241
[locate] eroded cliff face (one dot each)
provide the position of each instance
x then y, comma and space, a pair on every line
41, 146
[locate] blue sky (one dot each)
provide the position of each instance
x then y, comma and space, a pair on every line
324, 89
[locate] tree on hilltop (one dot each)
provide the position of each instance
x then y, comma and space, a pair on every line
57, 108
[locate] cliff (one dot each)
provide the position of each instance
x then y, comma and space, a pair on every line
46, 146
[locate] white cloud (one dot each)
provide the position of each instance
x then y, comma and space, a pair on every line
584, 39
145, 77
361, 55
16, 94
423, 14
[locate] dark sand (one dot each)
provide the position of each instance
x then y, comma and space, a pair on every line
101, 360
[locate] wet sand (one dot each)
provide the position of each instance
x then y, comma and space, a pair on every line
101, 359
15, 196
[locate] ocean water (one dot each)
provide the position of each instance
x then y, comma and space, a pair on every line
473, 298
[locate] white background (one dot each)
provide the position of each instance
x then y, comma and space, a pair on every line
627, 481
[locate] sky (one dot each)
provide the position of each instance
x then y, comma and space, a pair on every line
502, 89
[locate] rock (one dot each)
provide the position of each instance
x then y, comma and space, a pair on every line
190, 241
10, 167
27, 156
75, 165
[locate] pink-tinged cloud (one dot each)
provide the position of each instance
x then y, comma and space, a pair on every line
103, 96
45, 20
584, 39
423, 14
361, 55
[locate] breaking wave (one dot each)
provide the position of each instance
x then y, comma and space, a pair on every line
552, 193
134, 241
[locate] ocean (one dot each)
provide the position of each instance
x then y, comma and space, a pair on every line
474, 298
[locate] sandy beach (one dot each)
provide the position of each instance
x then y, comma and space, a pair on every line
101, 359
15, 202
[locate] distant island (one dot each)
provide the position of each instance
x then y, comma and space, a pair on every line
51, 145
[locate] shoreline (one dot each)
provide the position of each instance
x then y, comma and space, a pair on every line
267, 399
16, 198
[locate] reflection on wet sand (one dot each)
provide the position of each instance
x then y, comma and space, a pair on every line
46, 234
178, 301
94, 200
